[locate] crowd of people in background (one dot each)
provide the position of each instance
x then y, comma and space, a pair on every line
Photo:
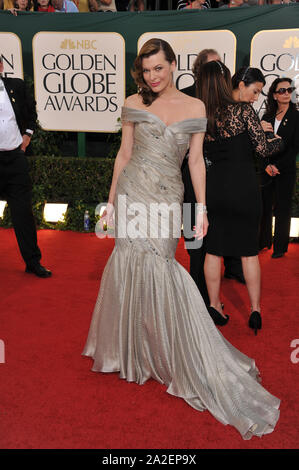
74, 6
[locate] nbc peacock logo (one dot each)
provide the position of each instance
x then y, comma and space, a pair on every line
291, 42
67, 44
83, 44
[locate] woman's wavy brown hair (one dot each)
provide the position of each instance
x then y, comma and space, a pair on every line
151, 47
215, 90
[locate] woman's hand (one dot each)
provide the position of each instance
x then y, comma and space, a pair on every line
202, 225
267, 126
14, 11
272, 170
107, 218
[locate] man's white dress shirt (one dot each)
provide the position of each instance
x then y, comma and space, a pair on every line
10, 135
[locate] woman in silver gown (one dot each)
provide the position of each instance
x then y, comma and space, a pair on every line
150, 320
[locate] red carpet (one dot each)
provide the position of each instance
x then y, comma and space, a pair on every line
50, 399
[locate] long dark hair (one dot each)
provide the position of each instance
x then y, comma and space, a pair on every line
271, 103
248, 75
215, 90
151, 47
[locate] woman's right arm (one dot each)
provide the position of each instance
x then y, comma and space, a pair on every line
270, 169
123, 156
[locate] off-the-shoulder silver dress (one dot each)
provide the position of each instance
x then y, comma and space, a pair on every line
149, 319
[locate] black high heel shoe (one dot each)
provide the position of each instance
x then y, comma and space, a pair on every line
255, 321
217, 318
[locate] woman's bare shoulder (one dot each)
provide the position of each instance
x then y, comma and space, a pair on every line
196, 107
133, 101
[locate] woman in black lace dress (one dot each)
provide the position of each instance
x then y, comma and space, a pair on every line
233, 197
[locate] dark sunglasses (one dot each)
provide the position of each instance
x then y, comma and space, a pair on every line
281, 91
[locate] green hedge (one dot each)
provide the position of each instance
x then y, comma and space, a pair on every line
83, 183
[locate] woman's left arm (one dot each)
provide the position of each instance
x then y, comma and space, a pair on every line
262, 146
198, 176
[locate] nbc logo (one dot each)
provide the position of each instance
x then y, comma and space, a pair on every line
292, 41
85, 44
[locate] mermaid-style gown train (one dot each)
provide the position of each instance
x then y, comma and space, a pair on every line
150, 320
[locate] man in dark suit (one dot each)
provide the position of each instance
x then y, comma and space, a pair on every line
233, 266
18, 120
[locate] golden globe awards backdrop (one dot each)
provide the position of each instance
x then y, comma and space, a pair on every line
276, 54
187, 44
79, 80
11, 53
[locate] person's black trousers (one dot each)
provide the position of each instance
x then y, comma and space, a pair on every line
15, 188
277, 195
